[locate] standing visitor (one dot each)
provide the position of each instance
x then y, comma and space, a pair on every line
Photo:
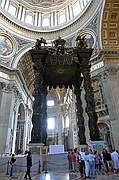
29, 165
86, 160
80, 164
97, 163
69, 161
92, 164
106, 157
82, 152
115, 159
73, 161
11, 163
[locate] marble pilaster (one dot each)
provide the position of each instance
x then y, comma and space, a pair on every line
110, 84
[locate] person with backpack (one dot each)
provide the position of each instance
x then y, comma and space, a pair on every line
12, 161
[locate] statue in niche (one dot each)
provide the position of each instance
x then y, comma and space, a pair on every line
81, 42
59, 45
39, 42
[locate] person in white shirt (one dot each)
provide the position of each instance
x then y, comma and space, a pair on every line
91, 157
115, 159
86, 160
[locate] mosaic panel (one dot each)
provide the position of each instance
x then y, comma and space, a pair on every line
6, 46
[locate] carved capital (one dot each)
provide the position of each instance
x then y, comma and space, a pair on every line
112, 71
104, 76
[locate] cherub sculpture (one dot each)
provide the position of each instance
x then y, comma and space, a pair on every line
81, 42
59, 45
39, 42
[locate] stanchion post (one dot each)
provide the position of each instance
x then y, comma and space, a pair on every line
7, 173
39, 167
46, 167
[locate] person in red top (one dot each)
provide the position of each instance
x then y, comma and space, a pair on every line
73, 161
105, 155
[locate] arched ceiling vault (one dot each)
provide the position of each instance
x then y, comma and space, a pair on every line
110, 25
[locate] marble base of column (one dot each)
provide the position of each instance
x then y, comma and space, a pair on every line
96, 145
82, 147
38, 148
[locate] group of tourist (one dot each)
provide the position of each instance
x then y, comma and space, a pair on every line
92, 163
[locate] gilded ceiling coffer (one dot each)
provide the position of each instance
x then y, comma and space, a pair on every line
61, 66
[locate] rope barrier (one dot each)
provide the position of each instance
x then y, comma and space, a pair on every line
57, 164
33, 164
25, 165
3, 164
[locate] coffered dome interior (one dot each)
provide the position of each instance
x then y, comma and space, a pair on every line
44, 14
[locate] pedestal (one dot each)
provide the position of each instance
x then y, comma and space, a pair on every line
83, 147
96, 145
38, 148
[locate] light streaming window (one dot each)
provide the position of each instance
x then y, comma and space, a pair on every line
12, 10
85, 2
67, 122
29, 19
76, 9
51, 123
62, 18
46, 22
50, 103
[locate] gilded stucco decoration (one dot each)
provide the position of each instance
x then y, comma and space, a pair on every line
110, 25
26, 67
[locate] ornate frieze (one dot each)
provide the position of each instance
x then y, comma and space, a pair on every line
104, 76
109, 72
113, 71
7, 87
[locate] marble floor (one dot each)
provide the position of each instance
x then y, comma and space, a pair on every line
58, 176
67, 176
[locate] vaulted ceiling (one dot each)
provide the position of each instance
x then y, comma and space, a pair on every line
110, 25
